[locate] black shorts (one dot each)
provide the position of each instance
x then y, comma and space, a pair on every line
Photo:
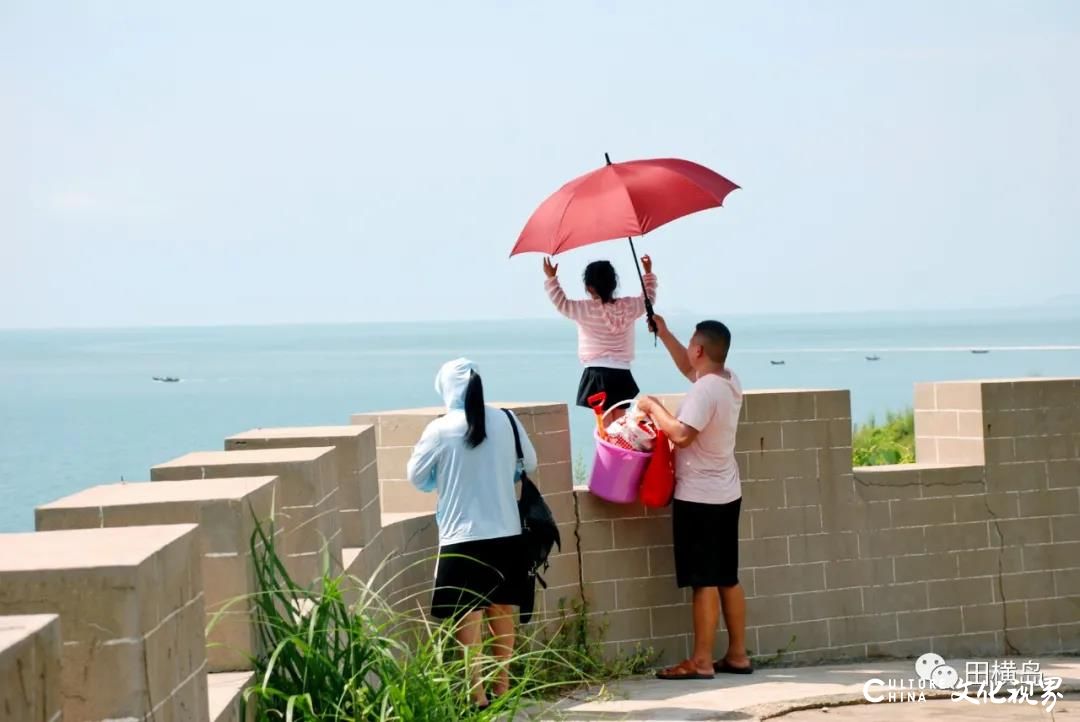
618, 383
476, 574
706, 543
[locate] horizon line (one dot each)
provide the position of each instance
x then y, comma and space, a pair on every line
677, 313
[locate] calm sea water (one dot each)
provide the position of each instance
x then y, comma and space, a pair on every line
79, 408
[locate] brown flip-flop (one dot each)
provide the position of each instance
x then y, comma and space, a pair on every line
725, 667
684, 670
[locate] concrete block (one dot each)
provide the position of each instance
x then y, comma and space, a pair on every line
823, 605
647, 532
894, 542
924, 396
786, 522
306, 494
615, 564
921, 512
857, 573
986, 507
784, 638
903, 597
357, 474
994, 617
1027, 585
1059, 610
782, 464
1065, 528
834, 404
30, 668
649, 592
961, 592
131, 615
760, 436
778, 405
930, 623
595, 536
763, 494
661, 561
672, 621
936, 423
959, 451
226, 511
1017, 476
1063, 474
864, 629
1035, 530
789, 579
966, 395
763, 552
1050, 502
923, 567
987, 562
1036, 641
827, 547
802, 492
986, 645
957, 537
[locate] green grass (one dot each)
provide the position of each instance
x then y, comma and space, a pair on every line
891, 442
338, 651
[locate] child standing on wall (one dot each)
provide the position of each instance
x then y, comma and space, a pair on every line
605, 329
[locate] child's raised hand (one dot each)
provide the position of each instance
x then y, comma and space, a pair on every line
550, 269
646, 263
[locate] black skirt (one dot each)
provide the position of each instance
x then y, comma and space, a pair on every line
706, 538
618, 383
476, 574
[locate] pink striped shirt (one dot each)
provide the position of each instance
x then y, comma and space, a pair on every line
605, 330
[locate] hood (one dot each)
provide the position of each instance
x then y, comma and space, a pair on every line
451, 381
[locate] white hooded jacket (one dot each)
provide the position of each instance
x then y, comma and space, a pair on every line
477, 497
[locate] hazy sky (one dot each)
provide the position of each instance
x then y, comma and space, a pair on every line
211, 162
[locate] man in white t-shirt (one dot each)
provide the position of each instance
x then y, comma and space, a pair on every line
708, 496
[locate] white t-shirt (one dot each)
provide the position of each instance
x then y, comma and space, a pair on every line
706, 471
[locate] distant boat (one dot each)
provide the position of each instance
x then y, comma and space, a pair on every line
873, 358
980, 350
777, 363
166, 379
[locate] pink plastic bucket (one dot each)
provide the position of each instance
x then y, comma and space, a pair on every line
616, 473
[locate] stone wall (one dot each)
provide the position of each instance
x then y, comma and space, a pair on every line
972, 551
30, 668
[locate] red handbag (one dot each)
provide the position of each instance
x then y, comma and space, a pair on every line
658, 481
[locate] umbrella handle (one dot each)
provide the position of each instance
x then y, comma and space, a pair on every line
644, 294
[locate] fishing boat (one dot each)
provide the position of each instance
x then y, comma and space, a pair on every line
980, 350
166, 379
873, 358
777, 363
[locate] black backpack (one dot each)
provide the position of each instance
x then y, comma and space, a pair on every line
538, 528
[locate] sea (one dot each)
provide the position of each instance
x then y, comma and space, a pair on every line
80, 407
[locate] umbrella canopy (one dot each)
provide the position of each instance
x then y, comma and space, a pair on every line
621, 200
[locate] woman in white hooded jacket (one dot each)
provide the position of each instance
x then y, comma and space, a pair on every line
469, 458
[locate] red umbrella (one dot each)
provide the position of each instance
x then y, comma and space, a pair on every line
621, 200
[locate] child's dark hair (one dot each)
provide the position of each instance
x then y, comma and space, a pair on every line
474, 412
600, 276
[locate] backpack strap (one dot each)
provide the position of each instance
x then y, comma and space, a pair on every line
517, 436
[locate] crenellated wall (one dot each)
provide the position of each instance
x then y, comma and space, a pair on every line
975, 550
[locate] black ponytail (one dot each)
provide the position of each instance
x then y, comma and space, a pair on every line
474, 412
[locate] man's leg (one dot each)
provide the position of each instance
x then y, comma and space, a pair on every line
500, 618
706, 617
733, 602
469, 632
